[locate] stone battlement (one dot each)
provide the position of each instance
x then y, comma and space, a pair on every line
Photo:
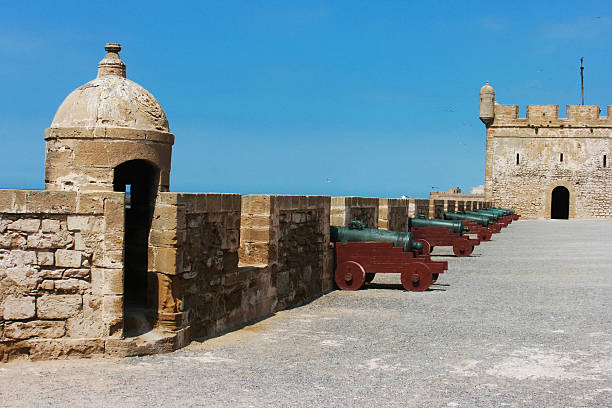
548, 116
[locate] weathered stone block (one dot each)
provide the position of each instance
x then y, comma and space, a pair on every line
47, 285
112, 259
114, 214
25, 276
7, 201
25, 225
80, 222
107, 281
45, 258
18, 307
112, 305
165, 260
62, 348
81, 273
58, 306
90, 203
43, 329
68, 258
61, 239
51, 202
162, 238
71, 286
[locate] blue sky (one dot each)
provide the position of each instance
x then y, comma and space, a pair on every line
372, 98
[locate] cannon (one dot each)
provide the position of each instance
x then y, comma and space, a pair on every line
478, 224
362, 252
436, 232
509, 211
357, 232
503, 217
496, 218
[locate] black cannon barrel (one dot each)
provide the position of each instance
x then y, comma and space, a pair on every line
404, 240
454, 225
480, 219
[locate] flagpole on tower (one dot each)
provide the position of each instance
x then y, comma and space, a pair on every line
582, 79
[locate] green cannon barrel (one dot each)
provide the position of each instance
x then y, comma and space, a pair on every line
510, 210
480, 219
491, 215
454, 225
505, 211
498, 210
359, 234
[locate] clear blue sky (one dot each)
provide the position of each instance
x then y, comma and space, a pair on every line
373, 98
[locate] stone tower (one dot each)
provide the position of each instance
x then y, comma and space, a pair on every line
107, 133
546, 166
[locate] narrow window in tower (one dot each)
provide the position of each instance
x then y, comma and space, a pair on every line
561, 157
128, 196
605, 161
517, 159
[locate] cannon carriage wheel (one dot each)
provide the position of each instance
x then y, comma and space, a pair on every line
350, 275
462, 248
484, 235
416, 277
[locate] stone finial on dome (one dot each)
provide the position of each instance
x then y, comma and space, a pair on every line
111, 64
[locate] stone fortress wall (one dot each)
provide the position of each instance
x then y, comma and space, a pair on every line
106, 261
527, 158
216, 263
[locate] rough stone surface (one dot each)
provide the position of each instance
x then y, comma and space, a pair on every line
478, 339
58, 306
18, 308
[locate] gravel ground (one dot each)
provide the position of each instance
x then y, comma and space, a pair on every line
525, 321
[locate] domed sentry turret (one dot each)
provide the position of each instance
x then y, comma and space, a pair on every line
487, 104
108, 135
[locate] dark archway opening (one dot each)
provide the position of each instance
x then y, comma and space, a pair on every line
138, 179
559, 205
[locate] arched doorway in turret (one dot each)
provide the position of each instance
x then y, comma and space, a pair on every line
139, 179
559, 203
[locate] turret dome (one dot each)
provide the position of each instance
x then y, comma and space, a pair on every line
487, 89
107, 134
111, 100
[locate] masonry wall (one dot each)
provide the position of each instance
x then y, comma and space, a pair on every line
61, 273
193, 261
285, 246
393, 214
539, 140
347, 209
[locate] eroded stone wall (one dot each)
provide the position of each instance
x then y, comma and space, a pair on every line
61, 272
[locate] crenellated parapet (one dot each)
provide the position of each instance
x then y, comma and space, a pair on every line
547, 116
